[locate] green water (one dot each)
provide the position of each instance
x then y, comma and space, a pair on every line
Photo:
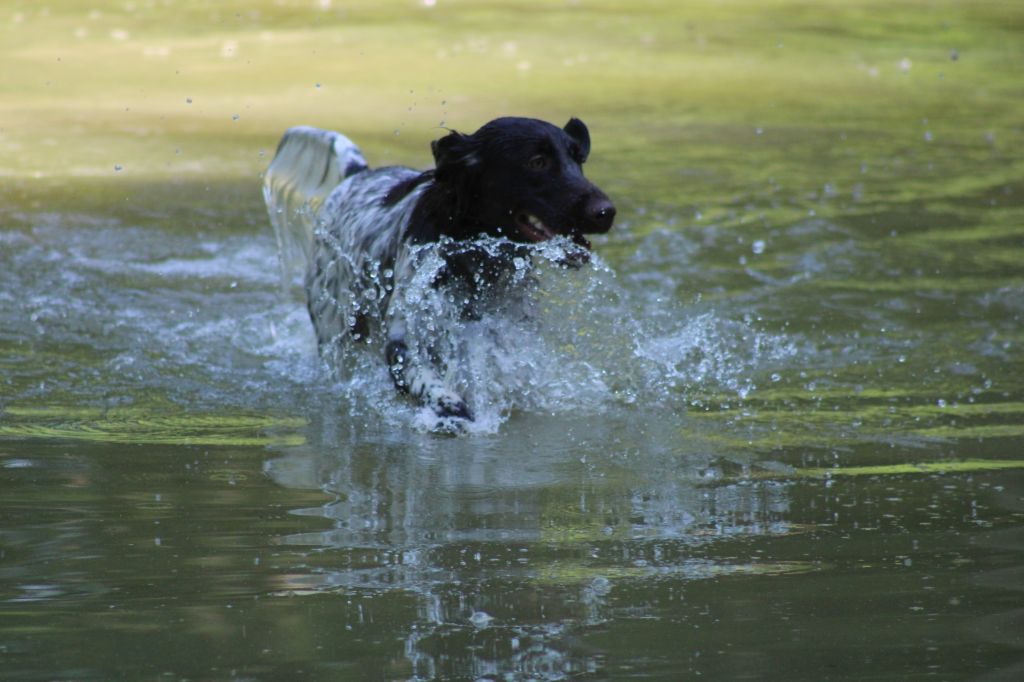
775, 432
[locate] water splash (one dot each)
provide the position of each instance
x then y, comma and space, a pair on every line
551, 331
203, 323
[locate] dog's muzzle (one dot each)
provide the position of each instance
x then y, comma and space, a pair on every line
600, 212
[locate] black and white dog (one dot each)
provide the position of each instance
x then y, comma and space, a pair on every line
357, 231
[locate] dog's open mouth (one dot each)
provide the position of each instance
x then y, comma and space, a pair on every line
534, 229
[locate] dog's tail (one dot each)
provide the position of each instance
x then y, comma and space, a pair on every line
308, 165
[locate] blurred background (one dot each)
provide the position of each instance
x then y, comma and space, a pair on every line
699, 103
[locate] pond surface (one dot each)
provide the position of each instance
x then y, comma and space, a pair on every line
773, 431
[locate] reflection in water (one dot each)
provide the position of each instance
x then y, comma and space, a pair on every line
1005, 628
509, 558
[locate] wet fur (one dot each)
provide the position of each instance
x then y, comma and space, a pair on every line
516, 178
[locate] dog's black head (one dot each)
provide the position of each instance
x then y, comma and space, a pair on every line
519, 178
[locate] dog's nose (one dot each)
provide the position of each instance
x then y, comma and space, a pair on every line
602, 214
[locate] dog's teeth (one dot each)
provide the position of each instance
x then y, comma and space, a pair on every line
538, 225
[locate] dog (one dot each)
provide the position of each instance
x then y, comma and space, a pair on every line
359, 233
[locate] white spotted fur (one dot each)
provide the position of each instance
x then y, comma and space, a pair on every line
328, 213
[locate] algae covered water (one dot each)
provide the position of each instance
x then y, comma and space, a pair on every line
772, 429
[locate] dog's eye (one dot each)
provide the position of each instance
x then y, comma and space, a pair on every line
538, 162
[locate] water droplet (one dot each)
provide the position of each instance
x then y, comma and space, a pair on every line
480, 619
776, 377
941, 402
758, 247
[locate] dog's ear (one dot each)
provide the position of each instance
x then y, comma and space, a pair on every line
454, 154
577, 130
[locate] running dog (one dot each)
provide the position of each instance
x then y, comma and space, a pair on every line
356, 230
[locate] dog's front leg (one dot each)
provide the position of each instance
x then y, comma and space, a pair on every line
422, 382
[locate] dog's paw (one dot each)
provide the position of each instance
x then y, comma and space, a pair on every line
452, 415
453, 407
451, 426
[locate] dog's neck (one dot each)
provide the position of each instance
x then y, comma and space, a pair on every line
441, 211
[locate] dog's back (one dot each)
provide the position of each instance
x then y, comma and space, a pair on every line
356, 257
338, 228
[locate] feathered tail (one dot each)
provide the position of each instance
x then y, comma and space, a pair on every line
308, 165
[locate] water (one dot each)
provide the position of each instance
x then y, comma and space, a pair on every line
670, 474
772, 430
